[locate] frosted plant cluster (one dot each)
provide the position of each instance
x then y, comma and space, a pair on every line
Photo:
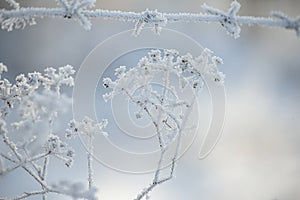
33, 106
163, 103
18, 17
31, 109
88, 128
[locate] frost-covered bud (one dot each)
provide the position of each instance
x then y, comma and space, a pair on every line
103, 123
72, 124
21, 79
120, 71
143, 62
35, 79
69, 162
217, 60
185, 61
53, 143
68, 133
66, 70
70, 153
154, 55
138, 115
22, 84
73, 129
65, 73
219, 77
195, 84
186, 58
108, 83
55, 146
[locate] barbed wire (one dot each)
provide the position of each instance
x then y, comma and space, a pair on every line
81, 10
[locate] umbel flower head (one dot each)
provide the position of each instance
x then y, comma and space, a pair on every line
156, 87
193, 70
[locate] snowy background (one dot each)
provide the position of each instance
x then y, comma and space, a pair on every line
258, 156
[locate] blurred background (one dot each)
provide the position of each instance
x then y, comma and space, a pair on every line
258, 155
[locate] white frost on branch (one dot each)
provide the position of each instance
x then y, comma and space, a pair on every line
164, 105
28, 139
19, 17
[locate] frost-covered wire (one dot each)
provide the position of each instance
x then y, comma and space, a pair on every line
79, 10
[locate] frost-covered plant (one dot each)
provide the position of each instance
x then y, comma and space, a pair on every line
163, 103
87, 127
33, 105
31, 109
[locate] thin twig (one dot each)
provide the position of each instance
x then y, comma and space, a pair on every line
22, 163
89, 159
30, 194
13, 147
43, 174
156, 180
34, 165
